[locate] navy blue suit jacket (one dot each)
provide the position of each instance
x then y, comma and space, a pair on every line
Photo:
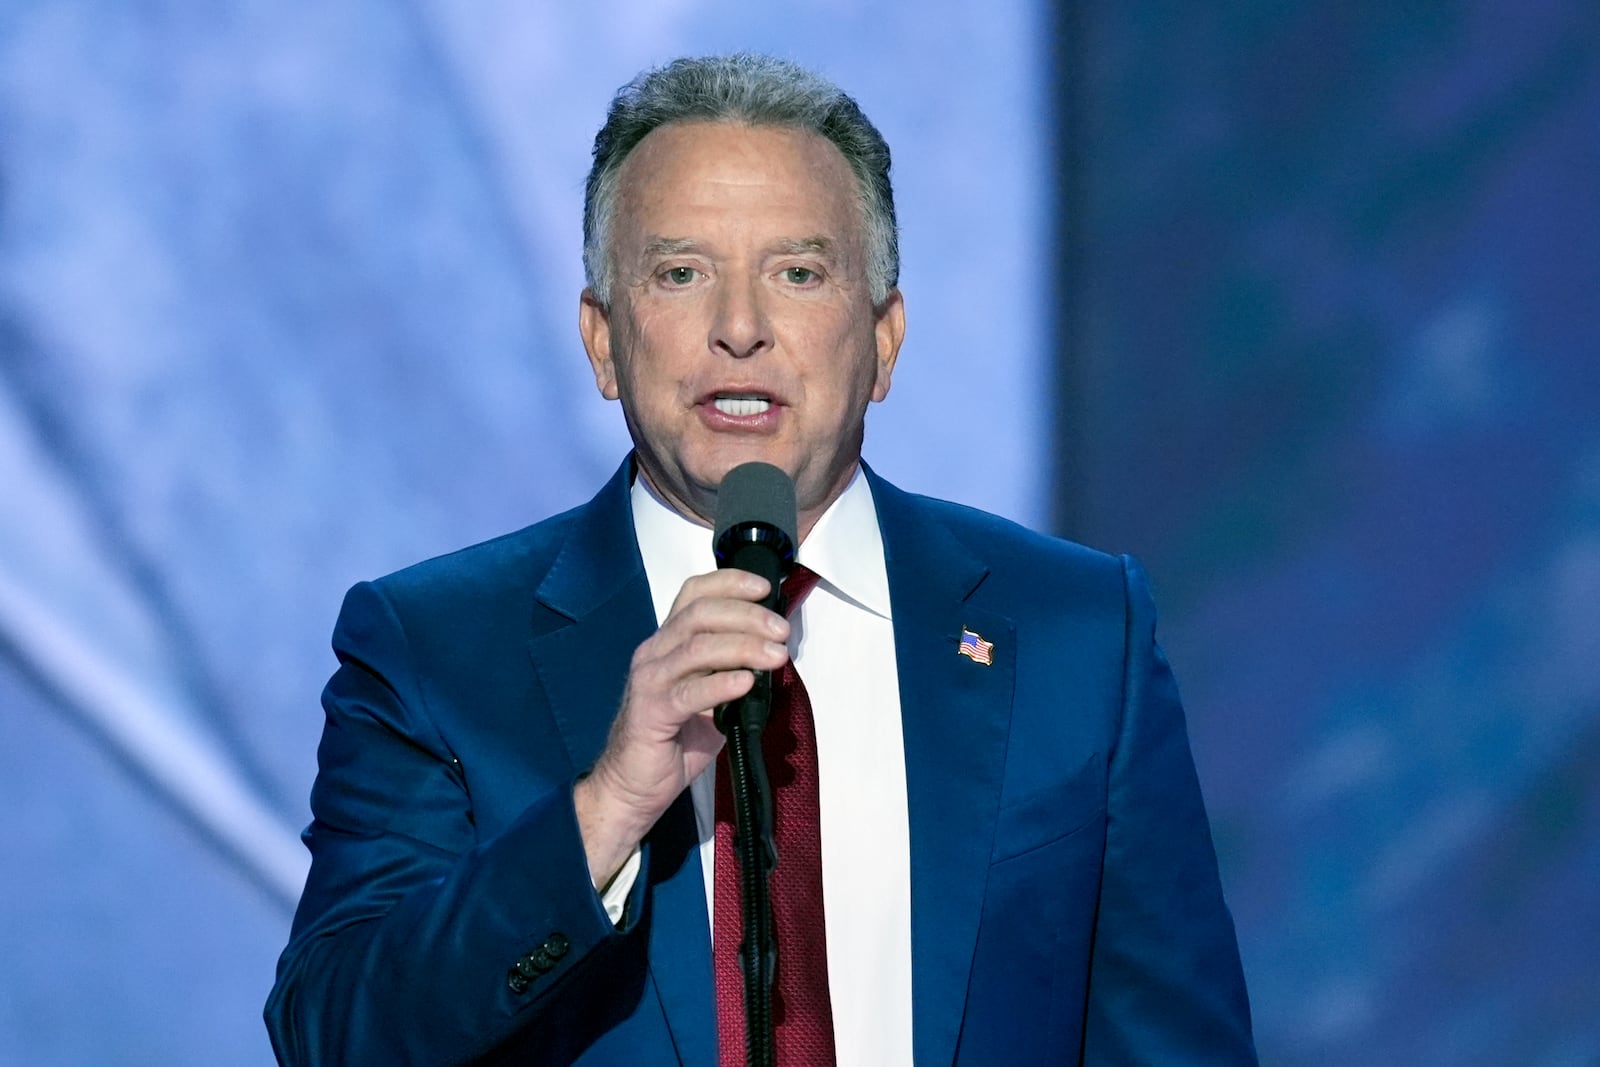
1064, 891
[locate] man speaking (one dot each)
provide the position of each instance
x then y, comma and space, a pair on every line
991, 843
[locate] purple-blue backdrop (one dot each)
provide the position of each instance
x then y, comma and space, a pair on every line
1298, 305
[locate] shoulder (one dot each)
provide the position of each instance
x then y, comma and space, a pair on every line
1022, 562
515, 560
468, 592
990, 534
511, 567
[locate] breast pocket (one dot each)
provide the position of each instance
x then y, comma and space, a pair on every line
1051, 812
1025, 999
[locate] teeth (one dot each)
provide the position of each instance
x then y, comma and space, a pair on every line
742, 405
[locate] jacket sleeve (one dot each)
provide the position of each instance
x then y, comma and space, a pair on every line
416, 942
1165, 981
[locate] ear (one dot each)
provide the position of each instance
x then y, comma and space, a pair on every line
594, 324
890, 330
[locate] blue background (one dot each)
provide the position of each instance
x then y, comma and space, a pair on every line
1297, 302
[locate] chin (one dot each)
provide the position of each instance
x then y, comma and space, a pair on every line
728, 459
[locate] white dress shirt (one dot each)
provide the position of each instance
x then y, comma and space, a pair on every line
842, 644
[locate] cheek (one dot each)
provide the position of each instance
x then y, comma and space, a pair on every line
664, 341
632, 350
831, 342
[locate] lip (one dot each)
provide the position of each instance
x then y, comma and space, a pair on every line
765, 422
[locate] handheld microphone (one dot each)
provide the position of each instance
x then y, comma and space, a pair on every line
756, 520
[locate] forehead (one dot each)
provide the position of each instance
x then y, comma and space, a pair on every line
697, 174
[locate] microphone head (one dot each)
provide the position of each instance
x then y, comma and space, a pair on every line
756, 494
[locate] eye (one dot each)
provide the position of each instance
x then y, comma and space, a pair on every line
679, 275
799, 275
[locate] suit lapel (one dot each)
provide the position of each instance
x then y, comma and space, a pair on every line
594, 609
956, 716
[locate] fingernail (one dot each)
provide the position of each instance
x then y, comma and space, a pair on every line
777, 649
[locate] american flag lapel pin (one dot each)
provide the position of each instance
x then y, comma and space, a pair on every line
975, 648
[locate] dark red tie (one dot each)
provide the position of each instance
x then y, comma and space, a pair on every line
801, 1012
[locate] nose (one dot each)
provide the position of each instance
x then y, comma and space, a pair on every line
739, 326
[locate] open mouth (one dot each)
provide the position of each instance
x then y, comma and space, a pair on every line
740, 406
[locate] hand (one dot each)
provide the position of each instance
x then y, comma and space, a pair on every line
705, 654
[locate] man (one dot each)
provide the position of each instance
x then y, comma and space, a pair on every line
515, 830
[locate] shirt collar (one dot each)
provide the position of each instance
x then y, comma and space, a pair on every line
845, 548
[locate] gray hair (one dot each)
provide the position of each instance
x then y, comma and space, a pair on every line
758, 91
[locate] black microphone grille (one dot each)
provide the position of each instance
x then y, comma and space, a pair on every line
756, 493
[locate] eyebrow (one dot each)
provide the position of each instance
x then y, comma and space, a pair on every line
669, 246
818, 245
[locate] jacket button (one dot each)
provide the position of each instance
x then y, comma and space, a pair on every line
529, 967
517, 982
556, 945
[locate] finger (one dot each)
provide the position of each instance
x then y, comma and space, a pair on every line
724, 615
675, 709
714, 616
701, 742
705, 654
729, 582
700, 695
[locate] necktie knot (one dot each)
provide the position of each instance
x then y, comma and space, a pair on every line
801, 580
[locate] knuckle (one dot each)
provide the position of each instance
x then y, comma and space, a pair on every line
648, 652
640, 676
682, 698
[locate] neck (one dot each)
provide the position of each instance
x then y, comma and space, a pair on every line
806, 518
